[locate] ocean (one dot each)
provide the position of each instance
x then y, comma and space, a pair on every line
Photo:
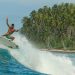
10, 66
28, 60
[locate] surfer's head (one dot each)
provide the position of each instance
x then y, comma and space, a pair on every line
12, 25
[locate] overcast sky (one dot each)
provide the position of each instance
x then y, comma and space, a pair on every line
17, 9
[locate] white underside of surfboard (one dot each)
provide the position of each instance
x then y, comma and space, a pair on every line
8, 43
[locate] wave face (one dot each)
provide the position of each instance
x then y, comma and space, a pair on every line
41, 61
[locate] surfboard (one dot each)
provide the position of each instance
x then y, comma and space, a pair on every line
7, 42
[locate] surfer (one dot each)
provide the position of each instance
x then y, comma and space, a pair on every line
10, 31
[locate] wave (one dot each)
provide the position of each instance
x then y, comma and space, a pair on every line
41, 61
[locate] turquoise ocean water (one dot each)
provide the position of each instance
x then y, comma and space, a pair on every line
10, 66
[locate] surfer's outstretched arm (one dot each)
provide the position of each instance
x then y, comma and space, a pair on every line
7, 21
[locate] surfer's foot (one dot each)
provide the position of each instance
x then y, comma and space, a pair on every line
12, 38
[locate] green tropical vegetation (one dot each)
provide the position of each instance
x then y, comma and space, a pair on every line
51, 27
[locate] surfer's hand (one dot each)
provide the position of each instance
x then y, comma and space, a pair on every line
17, 30
7, 17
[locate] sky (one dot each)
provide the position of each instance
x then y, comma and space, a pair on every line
17, 9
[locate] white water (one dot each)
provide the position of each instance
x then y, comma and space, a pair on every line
41, 61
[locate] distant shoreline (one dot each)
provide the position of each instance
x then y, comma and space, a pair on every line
59, 50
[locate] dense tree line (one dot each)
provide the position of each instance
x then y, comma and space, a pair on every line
51, 27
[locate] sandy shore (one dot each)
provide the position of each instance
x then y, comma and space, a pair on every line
59, 50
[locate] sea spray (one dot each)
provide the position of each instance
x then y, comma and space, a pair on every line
41, 61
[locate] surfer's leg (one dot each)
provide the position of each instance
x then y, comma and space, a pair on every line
9, 37
6, 34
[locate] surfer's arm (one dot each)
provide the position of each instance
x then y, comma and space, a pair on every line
7, 22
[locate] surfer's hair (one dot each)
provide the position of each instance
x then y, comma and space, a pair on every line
12, 24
